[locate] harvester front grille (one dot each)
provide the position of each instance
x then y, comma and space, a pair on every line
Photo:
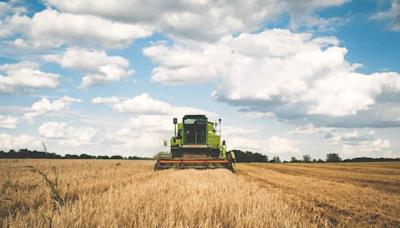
196, 157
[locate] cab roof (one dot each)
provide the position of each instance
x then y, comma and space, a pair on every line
195, 117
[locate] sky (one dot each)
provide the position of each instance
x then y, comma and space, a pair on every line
288, 78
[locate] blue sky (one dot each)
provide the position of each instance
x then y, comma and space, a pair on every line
288, 78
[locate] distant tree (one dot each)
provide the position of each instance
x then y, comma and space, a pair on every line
116, 157
366, 159
266, 158
138, 158
23, 151
314, 160
333, 158
103, 157
320, 160
249, 156
307, 158
293, 159
276, 159
71, 156
86, 156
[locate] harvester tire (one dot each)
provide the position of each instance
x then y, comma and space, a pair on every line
231, 163
233, 168
155, 167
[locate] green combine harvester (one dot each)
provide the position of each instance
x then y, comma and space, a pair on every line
196, 144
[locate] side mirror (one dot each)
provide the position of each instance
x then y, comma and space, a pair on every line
223, 143
165, 143
175, 120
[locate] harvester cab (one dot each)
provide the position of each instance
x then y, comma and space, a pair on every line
196, 144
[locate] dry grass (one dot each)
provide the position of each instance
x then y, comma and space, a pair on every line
347, 194
93, 193
107, 193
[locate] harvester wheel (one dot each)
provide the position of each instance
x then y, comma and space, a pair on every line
155, 167
233, 168
231, 164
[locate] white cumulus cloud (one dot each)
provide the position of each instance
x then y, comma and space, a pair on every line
11, 7
25, 77
51, 28
143, 104
393, 15
291, 75
151, 123
8, 122
356, 144
180, 66
69, 136
52, 129
98, 67
44, 106
8, 142
146, 105
183, 18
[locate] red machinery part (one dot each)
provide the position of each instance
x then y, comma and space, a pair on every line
193, 162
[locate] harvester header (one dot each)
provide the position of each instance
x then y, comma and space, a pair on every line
196, 144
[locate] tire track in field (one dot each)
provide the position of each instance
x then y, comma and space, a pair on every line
384, 183
344, 204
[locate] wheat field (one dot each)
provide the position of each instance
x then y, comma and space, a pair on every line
123, 193
345, 194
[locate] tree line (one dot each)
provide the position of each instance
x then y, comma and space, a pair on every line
25, 153
332, 157
248, 156
241, 156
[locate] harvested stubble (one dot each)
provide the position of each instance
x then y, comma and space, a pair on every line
103, 194
345, 194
